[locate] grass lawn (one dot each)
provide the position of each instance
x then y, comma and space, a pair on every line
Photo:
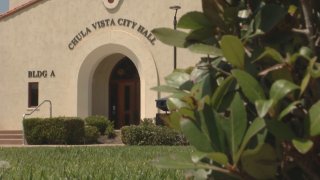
127, 162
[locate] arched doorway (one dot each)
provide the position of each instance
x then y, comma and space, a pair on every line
92, 92
124, 94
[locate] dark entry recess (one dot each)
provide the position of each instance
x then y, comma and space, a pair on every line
124, 94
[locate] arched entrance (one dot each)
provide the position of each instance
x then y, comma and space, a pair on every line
116, 90
124, 94
94, 75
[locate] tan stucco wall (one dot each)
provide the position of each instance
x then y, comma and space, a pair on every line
37, 38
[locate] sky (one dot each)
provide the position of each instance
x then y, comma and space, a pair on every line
4, 6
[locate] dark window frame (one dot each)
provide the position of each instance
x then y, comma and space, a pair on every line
33, 94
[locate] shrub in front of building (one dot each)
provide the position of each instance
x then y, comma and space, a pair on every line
74, 130
105, 126
110, 130
150, 134
60, 130
91, 134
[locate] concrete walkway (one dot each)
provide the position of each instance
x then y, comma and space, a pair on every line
85, 145
102, 140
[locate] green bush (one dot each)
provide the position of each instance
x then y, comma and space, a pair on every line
53, 131
33, 130
59, 130
147, 122
148, 134
110, 129
91, 134
102, 123
74, 130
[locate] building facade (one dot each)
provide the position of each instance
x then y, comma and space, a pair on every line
88, 57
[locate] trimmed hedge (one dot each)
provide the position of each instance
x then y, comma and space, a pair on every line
148, 134
61, 130
104, 125
74, 130
91, 134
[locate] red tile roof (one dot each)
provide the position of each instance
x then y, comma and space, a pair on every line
18, 8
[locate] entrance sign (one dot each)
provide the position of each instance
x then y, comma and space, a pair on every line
121, 22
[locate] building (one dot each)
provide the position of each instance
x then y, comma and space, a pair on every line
88, 57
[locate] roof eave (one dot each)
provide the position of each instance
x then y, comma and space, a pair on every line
18, 8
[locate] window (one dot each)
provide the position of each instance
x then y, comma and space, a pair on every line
33, 94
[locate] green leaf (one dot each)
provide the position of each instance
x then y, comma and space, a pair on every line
233, 50
176, 104
271, 15
282, 73
208, 85
263, 107
204, 87
165, 88
177, 78
226, 101
280, 130
306, 52
173, 121
304, 83
204, 36
288, 109
249, 85
314, 116
256, 126
187, 86
195, 136
210, 127
218, 157
196, 91
171, 37
194, 20
175, 161
270, 52
197, 156
294, 57
213, 10
198, 74
314, 68
237, 124
219, 94
187, 113
261, 137
205, 49
184, 161
261, 162
281, 88
179, 94
302, 145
